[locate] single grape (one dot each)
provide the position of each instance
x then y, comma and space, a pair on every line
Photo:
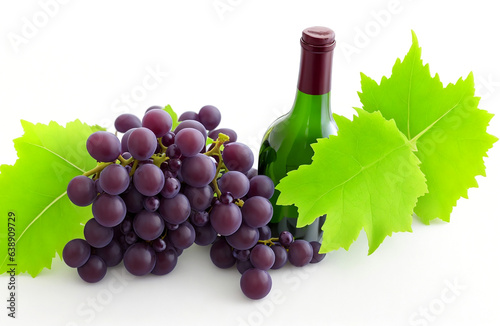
251, 173
317, 257
285, 238
226, 198
183, 237
214, 134
198, 218
126, 225
243, 265
241, 254
281, 256
148, 225
109, 210
154, 107
225, 219
244, 238
114, 179
300, 253
262, 257
93, 270
173, 151
131, 238
175, 210
171, 227
189, 115
159, 245
265, 233
76, 253
198, 170
124, 142
103, 146
221, 254
97, 236
171, 188
189, 141
133, 200
168, 139
174, 165
139, 259
141, 143
209, 117
234, 182
158, 121
205, 235
166, 261
255, 283
237, 157
112, 254
261, 185
82, 190
151, 204
257, 211
127, 121
200, 198
149, 179
191, 124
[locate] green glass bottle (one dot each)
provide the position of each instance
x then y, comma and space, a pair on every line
287, 143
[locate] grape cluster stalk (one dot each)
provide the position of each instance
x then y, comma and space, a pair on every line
157, 191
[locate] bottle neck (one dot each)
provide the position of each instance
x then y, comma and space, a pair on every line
315, 73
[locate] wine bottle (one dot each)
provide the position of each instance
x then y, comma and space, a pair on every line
287, 143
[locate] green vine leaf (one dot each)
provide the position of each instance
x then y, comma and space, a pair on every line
175, 121
373, 182
443, 123
34, 189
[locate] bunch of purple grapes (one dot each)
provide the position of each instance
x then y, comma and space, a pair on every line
156, 191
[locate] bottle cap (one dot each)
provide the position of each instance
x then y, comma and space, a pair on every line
318, 39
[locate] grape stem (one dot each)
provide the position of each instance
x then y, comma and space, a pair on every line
97, 169
216, 151
270, 242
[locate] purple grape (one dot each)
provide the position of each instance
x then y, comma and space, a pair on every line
198, 218
114, 179
199, 198
198, 170
261, 185
285, 238
151, 204
257, 211
237, 157
166, 261
189, 115
175, 210
244, 238
76, 253
214, 134
205, 235
250, 173
300, 253
183, 237
281, 256
158, 121
174, 165
189, 141
82, 190
126, 225
154, 107
191, 124
103, 146
159, 245
317, 257
226, 198
256, 283
221, 254
173, 151
168, 139
93, 270
124, 142
133, 200
149, 179
243, 265
97, 236
262, 257
209, 117
241, 254
139, 259
234, 182
225, 219
148, 225
141, 143
127, 121
109, 210
171, 188
265, 233
131, 238
112, 254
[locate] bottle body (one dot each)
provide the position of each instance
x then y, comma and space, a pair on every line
287, 143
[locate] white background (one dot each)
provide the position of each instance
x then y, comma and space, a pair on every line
83, 60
